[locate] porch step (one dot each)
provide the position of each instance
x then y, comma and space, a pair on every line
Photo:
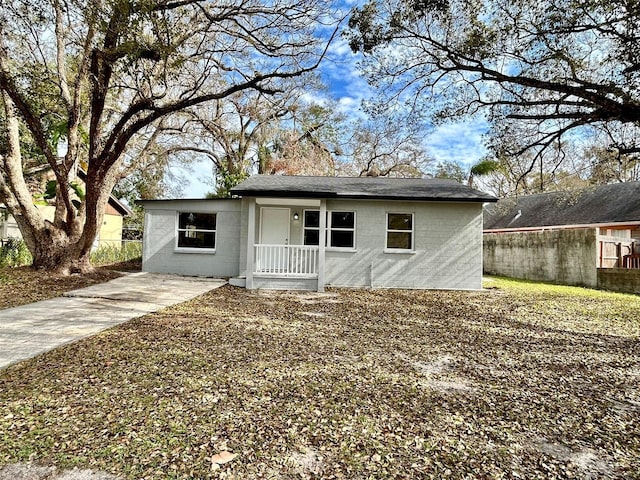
238, 281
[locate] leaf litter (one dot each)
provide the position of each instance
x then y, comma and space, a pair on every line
365, 390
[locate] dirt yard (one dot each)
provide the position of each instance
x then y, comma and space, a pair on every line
519, 381
22, 285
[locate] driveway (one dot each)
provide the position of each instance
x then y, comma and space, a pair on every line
29, 330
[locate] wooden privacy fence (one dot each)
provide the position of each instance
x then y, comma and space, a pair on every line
617, 253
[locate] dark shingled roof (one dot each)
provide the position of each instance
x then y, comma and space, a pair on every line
615, 203
372, 188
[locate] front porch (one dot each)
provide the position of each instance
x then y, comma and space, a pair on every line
284, 250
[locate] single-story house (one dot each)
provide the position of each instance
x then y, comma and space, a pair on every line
309, 232
110, 233
565, 237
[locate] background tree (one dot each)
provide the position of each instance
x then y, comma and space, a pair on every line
309, 143
100, 72
386, 145
251, 132
230, 132
450, 170
557, 68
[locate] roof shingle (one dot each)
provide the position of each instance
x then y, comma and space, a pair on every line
604, 204
373, 188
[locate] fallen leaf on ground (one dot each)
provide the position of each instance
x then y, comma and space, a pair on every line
223, 457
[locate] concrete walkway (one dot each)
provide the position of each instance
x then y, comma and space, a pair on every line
32, 329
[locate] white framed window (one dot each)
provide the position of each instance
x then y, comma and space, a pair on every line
399, 231
311, 227
341, 229
196, 231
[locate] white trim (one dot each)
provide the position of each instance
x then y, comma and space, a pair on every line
295, 202
339, 229
387, 231
322, 245
304, 227
187, 250
251, 240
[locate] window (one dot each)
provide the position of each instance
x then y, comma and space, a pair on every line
311, 227
341, 228
400, 231
197, 230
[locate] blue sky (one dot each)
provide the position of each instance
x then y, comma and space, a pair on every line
459, 142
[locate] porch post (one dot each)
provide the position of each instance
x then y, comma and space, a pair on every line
251, 240
322, 243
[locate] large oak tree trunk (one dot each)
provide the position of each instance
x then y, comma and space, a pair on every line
54, 250
59, 256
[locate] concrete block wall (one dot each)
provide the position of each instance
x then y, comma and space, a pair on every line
159, 242
619, 280
567, 257
447, 250
447, 247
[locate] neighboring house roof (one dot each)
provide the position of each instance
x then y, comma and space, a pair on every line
617, 203
379, 188
120, 207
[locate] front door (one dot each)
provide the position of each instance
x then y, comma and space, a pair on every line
272, 255
274, 226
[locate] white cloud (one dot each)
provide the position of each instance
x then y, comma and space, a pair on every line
340, 48
459, 142
198, 175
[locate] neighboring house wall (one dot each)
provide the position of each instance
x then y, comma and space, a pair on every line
8, 226
110, 232
447, 250
567, 256
161, 255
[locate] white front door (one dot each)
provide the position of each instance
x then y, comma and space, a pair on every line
274, 226
272, 256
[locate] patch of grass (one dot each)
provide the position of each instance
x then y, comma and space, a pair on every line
576, 309
115, 254
347, 384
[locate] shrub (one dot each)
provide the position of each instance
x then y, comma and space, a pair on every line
14, 253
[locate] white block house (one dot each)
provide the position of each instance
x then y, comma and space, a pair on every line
294, 232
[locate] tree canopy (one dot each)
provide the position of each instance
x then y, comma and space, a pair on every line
97, 73
544, 73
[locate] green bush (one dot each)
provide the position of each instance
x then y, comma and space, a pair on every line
14, 253
110, 254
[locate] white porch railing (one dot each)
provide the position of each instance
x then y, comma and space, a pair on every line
286, 260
